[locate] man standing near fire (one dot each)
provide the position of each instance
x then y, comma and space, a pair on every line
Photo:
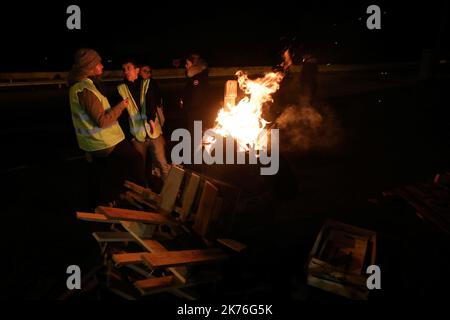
296, 89
145, 118
195, 103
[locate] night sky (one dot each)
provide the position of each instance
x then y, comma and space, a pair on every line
35, 37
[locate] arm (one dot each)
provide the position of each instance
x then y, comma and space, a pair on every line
95, 109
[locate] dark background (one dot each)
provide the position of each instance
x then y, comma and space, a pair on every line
35, 38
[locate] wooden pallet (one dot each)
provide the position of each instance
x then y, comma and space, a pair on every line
431, 200
201, 205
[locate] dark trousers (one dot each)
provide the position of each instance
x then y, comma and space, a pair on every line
110, 172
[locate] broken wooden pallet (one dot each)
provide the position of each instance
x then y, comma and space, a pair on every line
327, 274
430, 200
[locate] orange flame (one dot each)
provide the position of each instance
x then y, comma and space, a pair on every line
244, 121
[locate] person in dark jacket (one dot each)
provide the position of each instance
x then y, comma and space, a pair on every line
296, 89
289, 91
195, 103
308, 80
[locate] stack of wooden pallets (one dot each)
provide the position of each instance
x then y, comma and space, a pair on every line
189, 206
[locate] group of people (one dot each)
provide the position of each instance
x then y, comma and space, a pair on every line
122, 133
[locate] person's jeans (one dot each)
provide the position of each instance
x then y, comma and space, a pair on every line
153, 152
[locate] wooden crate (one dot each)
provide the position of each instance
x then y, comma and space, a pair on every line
339, 259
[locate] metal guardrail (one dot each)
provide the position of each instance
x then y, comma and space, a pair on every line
21, 79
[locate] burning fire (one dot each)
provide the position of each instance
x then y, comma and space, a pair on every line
244, 121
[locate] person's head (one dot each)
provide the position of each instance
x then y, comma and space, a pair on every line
194, 60
130, 70
146, 71
88, 62
194, 65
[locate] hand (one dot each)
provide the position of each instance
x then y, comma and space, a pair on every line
152, 126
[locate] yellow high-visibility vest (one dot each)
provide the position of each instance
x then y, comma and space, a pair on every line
139, 124
90, 137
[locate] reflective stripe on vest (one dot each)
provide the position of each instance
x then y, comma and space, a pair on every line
139, 126
90, 137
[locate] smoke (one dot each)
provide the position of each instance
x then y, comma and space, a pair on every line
306, 128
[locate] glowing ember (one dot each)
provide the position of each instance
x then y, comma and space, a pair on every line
243, 121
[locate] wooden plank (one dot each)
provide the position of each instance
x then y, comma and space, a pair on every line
157, 283
141, 200
145, 192
205, 210
232, 244
113, 236
154, 246
170, 189
182, 257
94, 217
135, 215
127, 258
188, 197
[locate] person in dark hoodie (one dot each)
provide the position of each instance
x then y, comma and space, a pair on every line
296, 89
288, 94
308, 79
195, 103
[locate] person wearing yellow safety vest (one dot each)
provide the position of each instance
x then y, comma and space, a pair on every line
145, 118
97, 130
